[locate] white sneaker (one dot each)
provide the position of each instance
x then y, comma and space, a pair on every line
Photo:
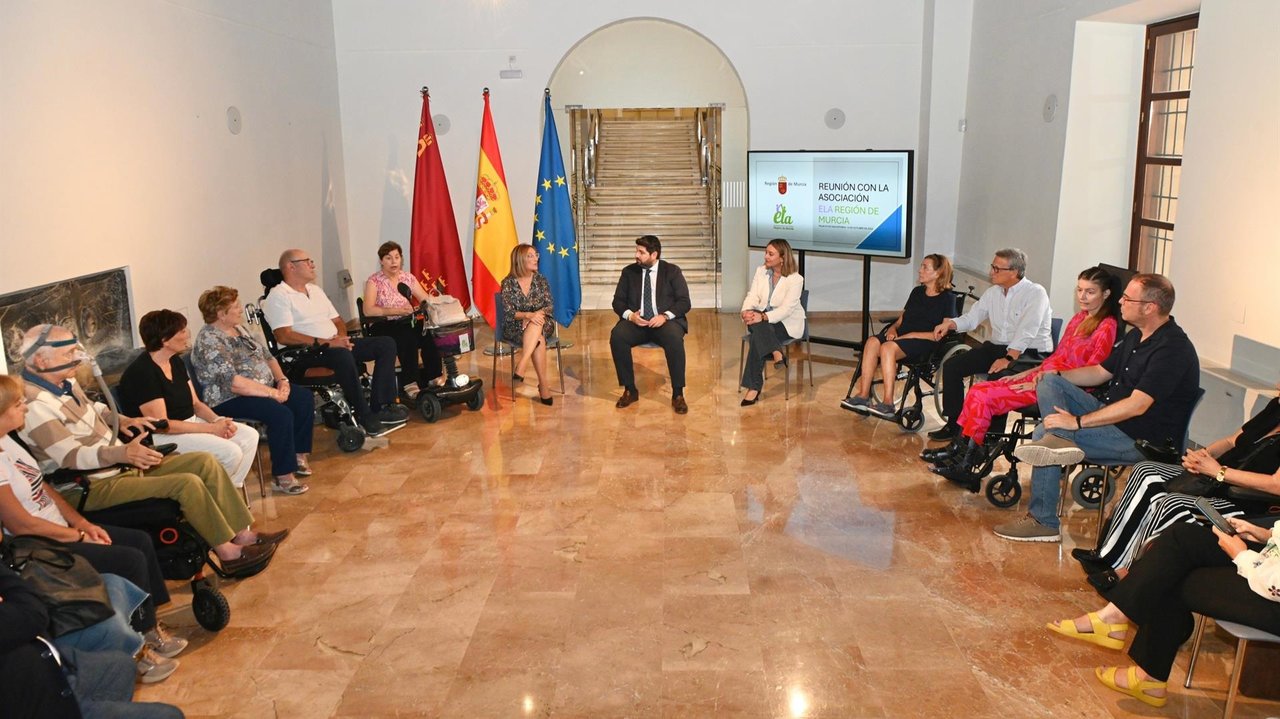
154, 668
160, 641
1049, 451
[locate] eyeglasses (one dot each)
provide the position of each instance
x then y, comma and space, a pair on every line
1000, 269
308, 260
1127, 298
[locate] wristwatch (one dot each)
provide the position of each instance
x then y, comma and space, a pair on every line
1221, 476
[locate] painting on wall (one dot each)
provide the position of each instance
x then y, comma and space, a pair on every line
95, 307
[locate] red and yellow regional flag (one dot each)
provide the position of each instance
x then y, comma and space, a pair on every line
495, 226
435, 251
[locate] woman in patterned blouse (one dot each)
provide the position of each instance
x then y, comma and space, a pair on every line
382, 299
241, 379
527, 323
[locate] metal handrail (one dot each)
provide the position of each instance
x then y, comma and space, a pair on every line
593, 139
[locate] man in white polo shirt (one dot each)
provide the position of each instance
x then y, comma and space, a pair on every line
300, 314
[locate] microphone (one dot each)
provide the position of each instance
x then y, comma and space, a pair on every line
403, 289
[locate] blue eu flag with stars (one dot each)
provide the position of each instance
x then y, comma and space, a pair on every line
553, 233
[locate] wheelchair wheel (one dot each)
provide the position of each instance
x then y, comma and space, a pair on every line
209, 606
430, 407
1086, 487
476, 401
911, 419
350, 439
877, 387
1003, 490
957, 349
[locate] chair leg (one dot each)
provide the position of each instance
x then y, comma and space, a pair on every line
513, 375
1234, 688
262, 478
493, 381
742, 358
560, 366
1102, 501
1201, 620
808, 359
786, 372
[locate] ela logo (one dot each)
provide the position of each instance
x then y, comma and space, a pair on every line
780, 217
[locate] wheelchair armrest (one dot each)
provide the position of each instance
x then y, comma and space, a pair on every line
1163, 453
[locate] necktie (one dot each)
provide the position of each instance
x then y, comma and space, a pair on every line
646, 308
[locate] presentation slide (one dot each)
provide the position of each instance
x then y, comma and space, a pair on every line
844, 202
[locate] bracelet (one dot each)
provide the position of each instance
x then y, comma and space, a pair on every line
1079, 421
81, 539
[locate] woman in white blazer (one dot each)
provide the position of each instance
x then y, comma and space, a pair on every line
772, 313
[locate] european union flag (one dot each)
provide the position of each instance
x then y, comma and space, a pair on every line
553, 233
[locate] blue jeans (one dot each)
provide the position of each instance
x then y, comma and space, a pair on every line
114, 633
289, 425
1102, 445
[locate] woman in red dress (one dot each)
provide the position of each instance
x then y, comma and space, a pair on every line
1087, 340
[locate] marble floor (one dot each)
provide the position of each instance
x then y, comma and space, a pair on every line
785, 560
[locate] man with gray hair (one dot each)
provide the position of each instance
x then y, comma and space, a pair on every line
1021, 321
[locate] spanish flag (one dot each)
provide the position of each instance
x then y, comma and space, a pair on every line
495, 227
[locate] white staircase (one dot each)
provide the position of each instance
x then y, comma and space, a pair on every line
648, 182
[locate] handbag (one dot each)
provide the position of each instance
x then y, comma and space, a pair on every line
444, 310
1194, 484
70, 587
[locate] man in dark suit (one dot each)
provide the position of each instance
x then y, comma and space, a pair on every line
652, 299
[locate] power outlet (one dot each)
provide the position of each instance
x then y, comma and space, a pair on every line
344, 278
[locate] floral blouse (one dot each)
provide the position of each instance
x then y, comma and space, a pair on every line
219, 357
388, 296
514, 300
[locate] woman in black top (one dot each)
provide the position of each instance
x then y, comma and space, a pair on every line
1246, 465
156, 384
910, 337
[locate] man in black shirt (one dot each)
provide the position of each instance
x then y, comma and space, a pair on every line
1155, 380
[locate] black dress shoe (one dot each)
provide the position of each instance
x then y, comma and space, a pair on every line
962, 476
253, 559
628, 398
1104, 581
1091, 561
748, 402
955, 448
679, 405
947, 431
517, 378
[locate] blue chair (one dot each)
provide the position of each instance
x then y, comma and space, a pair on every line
786, 349
1244, 635
504, 348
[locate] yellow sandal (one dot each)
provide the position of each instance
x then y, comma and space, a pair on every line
1137, 687
1101, 634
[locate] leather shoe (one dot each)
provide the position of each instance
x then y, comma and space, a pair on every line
253, 559
947, 431
947, 451
272, 537
628, 398
960, 475
679, 405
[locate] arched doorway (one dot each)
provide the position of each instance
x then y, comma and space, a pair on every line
657, 117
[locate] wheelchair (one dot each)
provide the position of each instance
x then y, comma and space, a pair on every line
921, 378
332, 404
451, 341
183, 553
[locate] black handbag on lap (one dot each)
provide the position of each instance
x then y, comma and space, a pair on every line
71, 588
1194, 484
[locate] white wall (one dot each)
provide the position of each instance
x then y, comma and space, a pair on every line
1096, 196
795, 63
115, 147
1227, 245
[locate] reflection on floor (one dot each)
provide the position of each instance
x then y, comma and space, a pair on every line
784, 560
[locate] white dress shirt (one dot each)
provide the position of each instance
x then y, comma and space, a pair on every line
652, 273
309, 313
1020, 316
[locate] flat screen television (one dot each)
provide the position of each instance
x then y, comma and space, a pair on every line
848, 202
